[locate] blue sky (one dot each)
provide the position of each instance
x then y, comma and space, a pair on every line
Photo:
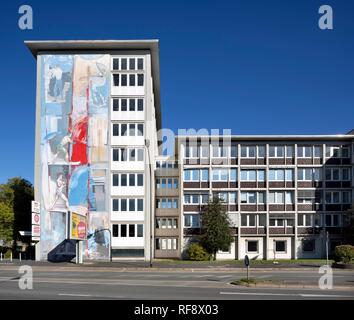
256, 67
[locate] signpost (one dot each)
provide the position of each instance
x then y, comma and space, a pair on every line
78, 231
36, 221
247, 264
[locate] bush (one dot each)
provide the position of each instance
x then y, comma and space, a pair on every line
197, 253
8, 254
344, 253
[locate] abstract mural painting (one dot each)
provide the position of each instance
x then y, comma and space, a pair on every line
74, 152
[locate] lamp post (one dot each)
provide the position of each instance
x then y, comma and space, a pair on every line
110, 240
147, 145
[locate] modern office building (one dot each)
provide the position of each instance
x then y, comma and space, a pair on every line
282, 193
98, 117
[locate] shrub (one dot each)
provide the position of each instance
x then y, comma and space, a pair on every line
344, 253
197, 253
8, 254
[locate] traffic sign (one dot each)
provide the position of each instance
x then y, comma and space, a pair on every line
36, 218
247, 261
36, 231
36, 207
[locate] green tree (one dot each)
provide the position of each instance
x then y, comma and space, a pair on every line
349, 228
6, 222
216, 234
15, 208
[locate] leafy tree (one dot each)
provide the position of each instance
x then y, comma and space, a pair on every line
216, 234
6, 222
15, 208
349, 228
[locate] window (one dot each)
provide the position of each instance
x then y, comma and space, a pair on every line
166, 244
130, 155
346, 197
345, 152
332, 220
163, 183
262, 218
332, 152
165, 203
276, 175
274, 222
233, 174
248, 151
233, 151
318, 151
309, 196
332, 197
248, 220
304, 151
280, 246
333, 174
140, 80
248, 197
308, 245
131, 231
220, 174
166, 223
261, 175
133, 179
276, 151
191, 221
123, 230
115, 231
134, 129
219, 151
276, 197
140, 231
289, 151
251, 246
248, 175
305, 220
346, 174
232, 197
261, 150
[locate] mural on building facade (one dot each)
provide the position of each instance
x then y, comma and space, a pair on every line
74, 148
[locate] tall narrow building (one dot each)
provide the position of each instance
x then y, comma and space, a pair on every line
97, 118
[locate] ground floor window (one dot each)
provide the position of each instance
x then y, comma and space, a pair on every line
252, 246
308, 245
166, 244
280, 246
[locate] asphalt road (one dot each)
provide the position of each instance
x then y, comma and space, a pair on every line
103, 283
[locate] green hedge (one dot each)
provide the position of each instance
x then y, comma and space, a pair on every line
344, 253
197, 253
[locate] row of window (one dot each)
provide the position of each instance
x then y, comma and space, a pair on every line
280, 246
128, 64
125, 104
218, 151
274, 197
130, 154
166, 203
304, 174
131, 205
166, 244
260, 220
128, 80
128, 129
128, 180
160, 164
127, 230
166, 223
167, 183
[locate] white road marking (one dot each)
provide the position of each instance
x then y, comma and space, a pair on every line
287, 294
75, 295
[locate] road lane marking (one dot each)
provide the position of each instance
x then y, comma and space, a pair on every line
75, 295
287, 294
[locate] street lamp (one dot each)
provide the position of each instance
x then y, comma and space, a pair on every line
147, 145
110, 240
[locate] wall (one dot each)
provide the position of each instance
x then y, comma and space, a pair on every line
74, 101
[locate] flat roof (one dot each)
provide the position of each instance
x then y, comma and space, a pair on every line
271, 137
105, 45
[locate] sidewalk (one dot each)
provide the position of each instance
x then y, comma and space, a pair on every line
171, 265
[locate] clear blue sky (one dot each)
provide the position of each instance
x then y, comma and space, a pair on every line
256, 67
